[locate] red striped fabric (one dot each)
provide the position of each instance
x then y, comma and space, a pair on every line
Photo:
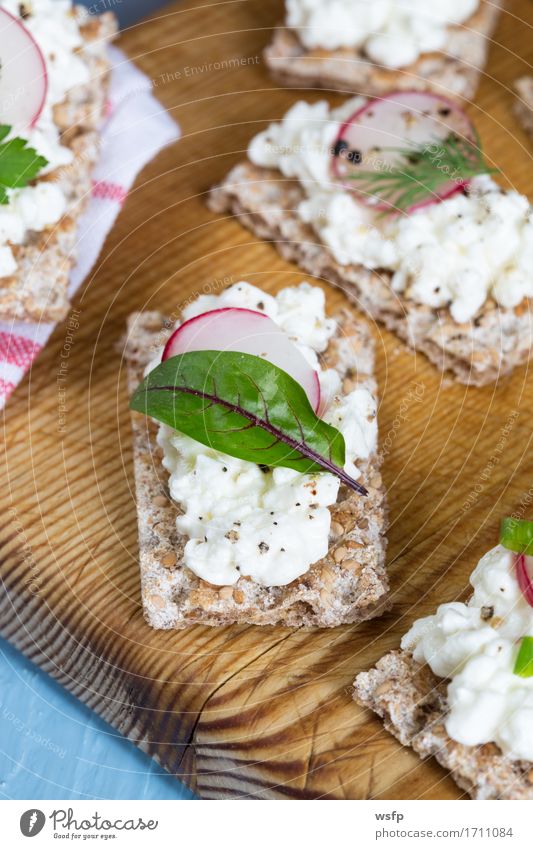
6, 388
17, 350
109, 191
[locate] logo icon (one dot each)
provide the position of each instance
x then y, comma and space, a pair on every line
32, 822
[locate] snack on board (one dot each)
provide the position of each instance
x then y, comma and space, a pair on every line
392, 201
53, 89
372, 47
524, 102
461, 686
264, 503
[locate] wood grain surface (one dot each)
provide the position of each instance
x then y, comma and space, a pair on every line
242, 711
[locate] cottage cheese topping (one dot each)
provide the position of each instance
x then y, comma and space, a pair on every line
487, 702
452, 254
393, 33
56, 31
241, 520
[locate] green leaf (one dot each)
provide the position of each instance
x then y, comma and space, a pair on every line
243, 406
18, 163
421, 171
517, 535
524, 660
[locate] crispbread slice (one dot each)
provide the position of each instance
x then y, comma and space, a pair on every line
476, 353
38, 289
412, 703
454, 72
331, 593
84, 106
524, 103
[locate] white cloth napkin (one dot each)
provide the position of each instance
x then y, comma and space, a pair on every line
135, 129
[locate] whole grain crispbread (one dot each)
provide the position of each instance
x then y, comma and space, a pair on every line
37, 291
85, 105
348, 586
524, 102
455, 71
476, 353
411, 700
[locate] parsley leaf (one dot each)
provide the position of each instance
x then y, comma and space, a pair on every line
18, 163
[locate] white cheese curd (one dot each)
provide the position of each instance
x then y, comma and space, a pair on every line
243, 521
269, 525
37, 206
355, 417
487, 701
393, 33
56, 31
7, 261
299, 311
453, 254
300, 145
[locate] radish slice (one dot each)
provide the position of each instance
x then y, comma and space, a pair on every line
402, 119
246, 332
524, 574
23, 77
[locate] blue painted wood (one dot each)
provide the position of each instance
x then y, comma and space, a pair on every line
127, 11
53, 747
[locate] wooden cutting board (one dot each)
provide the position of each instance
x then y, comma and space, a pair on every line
242, 711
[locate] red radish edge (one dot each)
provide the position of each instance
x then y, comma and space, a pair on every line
459, 187
525, 582
166, 350
42, 61
45, 92
451, 103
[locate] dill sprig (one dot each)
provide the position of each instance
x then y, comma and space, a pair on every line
421, 171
